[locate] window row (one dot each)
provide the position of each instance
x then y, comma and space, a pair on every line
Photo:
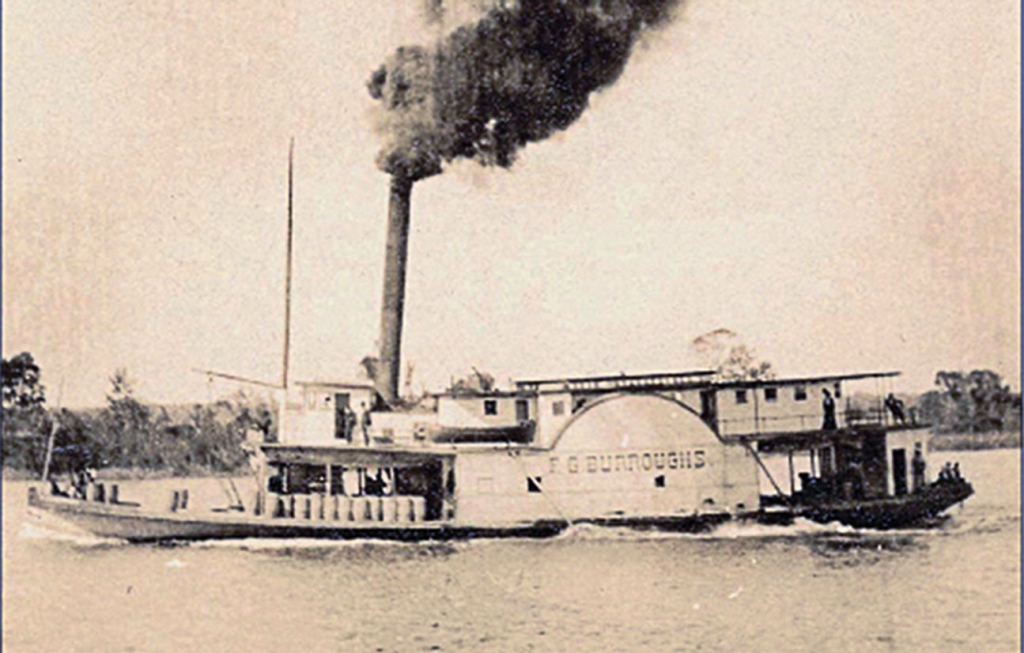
771, 395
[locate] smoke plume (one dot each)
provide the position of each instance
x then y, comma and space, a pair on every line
524, 71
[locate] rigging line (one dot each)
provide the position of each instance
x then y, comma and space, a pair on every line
220, 484
761, 464
515, 456
234, 500
54, 427
238, 497
233, 377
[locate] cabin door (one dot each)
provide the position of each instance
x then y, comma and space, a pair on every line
341, 421
522, 410
709, 408
899, 472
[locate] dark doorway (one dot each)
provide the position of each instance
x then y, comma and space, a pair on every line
709, 408
873, 459
899, 471
522, 410
341, 421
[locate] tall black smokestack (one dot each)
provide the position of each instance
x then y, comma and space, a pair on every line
393, 301
523, 72
406, 90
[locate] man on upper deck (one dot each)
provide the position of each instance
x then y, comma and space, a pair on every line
895, 407
828, 408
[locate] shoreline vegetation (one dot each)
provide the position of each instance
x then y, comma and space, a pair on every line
129, 439
975, 441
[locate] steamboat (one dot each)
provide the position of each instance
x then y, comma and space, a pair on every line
672, 451
675, 452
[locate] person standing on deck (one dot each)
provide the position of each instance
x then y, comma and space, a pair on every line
895, 407
350, 424
365, 422
917, 467
828, 409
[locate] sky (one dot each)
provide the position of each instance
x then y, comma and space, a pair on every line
838, 183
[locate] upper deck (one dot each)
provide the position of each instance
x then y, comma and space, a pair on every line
327, 412
799, 405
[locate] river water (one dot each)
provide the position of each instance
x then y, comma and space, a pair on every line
741, 588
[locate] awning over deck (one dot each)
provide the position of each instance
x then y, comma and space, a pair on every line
804, 380
352, 456
790, 441
620, 383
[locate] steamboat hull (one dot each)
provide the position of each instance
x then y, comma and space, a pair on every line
894, 512
133, 524
137, 525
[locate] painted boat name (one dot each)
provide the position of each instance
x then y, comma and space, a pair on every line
629, 462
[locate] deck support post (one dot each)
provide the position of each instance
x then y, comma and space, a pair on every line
792, 484
260, 508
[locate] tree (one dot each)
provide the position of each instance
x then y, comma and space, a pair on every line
130, 433
25, 422
477, 383
724, 352
21, 383
976, 402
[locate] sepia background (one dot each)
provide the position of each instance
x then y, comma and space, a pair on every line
839, 183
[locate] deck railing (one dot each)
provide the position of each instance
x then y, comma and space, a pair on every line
805, 422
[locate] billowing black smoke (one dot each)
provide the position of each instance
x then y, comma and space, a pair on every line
518, 75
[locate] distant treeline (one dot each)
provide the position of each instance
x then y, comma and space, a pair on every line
970, 411
970, 403
975, 441
126, 433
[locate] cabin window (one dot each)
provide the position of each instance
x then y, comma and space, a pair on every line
533, 484
741, 396
771, 394
659, 481
490, 407
800, 393
558, 408
838, 389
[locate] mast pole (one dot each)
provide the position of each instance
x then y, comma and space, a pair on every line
49, 449
53, 434
288, 275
